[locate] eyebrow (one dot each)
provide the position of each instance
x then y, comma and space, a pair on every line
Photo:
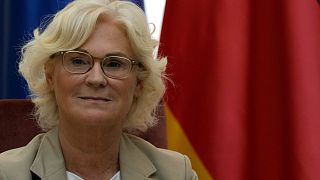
117, 53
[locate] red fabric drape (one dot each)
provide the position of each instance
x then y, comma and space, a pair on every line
246, 88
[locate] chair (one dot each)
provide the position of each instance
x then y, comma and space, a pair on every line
18, 126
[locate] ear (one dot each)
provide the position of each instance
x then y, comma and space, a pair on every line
49, 72
138, 89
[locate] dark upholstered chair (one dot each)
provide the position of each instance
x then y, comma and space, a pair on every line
18, 126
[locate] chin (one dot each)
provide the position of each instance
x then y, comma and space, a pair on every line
96, 120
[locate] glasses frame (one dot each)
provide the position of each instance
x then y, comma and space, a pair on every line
63, 53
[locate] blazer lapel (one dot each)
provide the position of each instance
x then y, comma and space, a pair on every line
134, 164
49, 161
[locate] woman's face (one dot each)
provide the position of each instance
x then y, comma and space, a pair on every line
93, 98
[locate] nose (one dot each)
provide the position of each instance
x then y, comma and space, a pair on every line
96, 77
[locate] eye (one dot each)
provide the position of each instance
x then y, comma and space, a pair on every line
115, 63
78, 61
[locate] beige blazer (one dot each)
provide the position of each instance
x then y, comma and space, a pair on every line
139, 160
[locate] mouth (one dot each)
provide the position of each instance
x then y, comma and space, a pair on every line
95, 98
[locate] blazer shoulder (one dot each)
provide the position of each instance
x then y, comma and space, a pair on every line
19, 159
167, 162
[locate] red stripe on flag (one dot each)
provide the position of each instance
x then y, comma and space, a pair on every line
247, 86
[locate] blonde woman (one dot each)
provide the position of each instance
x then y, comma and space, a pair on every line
91, 75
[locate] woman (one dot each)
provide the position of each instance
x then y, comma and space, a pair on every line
92, 75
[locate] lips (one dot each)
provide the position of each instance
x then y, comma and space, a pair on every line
95, 98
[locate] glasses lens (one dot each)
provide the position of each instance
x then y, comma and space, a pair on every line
116, 66
77, 62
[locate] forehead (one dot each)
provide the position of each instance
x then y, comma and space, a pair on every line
107, 37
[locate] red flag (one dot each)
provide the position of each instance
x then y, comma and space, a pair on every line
245, 103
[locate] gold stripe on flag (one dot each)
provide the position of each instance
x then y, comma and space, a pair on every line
178, 141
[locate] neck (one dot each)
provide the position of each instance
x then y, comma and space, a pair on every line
91, 152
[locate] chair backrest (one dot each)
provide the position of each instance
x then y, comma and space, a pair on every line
18, 125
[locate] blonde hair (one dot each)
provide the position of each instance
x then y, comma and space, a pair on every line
81, 16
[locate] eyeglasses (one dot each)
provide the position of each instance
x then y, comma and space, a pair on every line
78, 62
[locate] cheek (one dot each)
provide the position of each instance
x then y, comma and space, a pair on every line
127, 91
64, 86
131, 89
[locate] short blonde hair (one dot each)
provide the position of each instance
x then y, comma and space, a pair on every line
69, 29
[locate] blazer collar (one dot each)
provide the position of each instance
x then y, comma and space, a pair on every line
49, 161
134, 164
